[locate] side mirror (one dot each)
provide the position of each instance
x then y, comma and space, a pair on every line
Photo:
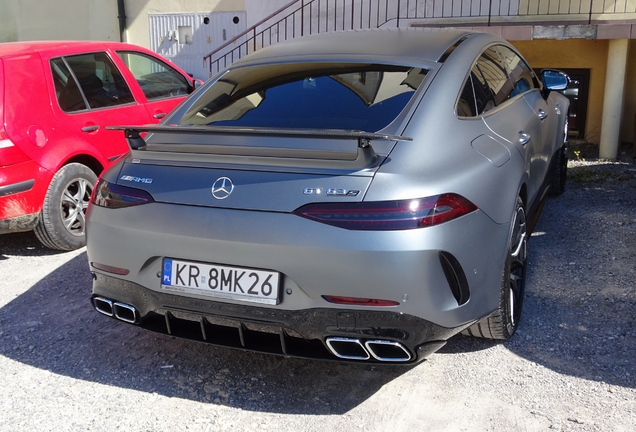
194, 84
553, 80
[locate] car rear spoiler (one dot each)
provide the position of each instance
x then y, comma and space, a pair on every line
227, 144
136, 141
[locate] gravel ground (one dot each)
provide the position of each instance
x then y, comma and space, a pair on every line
570, 367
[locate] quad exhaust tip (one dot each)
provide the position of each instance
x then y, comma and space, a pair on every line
355, 349
103, 305
121, 311
125, 312
384, 350
347, 348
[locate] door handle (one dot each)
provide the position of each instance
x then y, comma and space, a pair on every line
159, 115
524, 138
542, 114
91, 128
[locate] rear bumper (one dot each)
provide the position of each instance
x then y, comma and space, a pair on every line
301, 333
22, 190
313, 259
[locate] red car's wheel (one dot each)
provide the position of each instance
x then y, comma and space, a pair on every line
62, 222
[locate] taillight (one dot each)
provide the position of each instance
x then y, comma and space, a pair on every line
389, 215
110, 195
9, 153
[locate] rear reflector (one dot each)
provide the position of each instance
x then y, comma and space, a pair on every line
110, 269
389, 215
358, 301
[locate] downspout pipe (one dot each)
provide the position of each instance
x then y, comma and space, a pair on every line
121, 15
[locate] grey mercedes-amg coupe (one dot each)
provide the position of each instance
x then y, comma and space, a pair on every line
360, 195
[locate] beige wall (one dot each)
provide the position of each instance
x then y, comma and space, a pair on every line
23, 20
137, 12
575, 53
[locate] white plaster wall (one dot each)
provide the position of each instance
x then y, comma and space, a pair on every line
23, 20
97, 19
259, 9
137, 12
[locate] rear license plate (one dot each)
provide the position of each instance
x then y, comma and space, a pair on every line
213, 280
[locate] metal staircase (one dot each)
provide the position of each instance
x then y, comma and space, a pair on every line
304, 17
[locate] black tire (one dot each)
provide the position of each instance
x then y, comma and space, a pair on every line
503, 323
62, 222
560, 172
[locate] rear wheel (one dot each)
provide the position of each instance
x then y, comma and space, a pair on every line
560, 173
502, 323
62, 222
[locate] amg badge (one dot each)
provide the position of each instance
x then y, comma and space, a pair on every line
136, 179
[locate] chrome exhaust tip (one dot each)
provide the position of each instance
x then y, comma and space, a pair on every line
124, 312
347, 348
103, 305
383, 350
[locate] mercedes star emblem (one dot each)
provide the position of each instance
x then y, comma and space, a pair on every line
222, 188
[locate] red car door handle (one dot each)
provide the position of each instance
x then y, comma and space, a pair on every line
91, 128
159, 115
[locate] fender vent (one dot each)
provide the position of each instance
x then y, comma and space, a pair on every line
455, 277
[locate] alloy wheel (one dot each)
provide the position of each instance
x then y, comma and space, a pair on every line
517, 268
75, 199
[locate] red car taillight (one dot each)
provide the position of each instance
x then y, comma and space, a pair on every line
110, 195
389, 215
9, 153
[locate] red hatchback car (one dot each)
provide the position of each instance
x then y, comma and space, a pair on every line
55, 100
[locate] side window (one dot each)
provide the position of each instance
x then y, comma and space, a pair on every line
522, 76
69, 96
101, 83
466, 106
491, 73
156, 79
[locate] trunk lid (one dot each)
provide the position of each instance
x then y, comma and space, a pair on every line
260, 169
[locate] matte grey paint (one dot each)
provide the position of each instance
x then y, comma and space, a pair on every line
480, 159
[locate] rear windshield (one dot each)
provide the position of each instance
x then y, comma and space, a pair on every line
363, 97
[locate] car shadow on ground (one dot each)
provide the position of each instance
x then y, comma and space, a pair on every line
579, 314
578, 321
581, 294
53, 327
23, 244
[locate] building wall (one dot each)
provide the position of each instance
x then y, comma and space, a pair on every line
24, 20
573, 54
257, 10
97, 20
137, 12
